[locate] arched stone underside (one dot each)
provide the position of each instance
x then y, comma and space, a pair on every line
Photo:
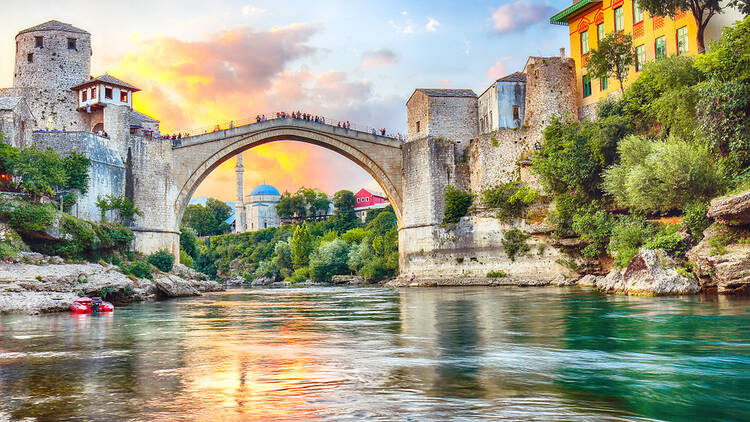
193, 161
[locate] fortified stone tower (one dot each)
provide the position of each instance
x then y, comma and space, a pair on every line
51, 58
53, 55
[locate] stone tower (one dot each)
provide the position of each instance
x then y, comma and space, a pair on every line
53, 55
239, 206
51, 58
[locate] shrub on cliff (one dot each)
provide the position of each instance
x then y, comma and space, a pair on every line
140, 269
510, 200
695, 219
514, 243
162, 260
29, 218
457, 203
594, 228
328, 260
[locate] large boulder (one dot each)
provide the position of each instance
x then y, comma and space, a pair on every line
170, 285
347, 279
650, 272
722, 263
732, 210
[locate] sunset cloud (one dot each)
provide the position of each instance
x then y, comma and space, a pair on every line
517, 16
382, 57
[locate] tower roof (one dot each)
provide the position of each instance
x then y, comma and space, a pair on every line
107, 79
441, 92
265, 190
54, 26
514, 77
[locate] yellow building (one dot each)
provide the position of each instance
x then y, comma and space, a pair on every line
653, 37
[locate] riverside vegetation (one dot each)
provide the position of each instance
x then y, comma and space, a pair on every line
310, 250
43, 248
642, 173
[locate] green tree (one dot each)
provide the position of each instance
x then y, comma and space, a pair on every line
329, 259
42, 172
371, 214
382, 224
208, 220
613, 58
126, 209
301, 247
457, 203
77, 171
702, 10
189, 241
742, 5
344, 217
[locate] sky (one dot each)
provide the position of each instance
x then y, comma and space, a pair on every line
203, 62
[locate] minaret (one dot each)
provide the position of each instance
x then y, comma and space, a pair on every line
239, 206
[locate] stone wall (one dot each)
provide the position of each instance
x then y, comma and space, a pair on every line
474, 247
455, 119
53, 109
107, 171
16, 124
154, 193
498, 157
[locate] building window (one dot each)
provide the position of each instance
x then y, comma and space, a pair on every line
603, 84
660, 47
84, 95
71, 43
637, 13
38, 42
516, 113
585, 42
600, 32
586, 86
619, 19
417, 127
123, 96
30, 57
682, 41
640, 57
108, 93
93, 93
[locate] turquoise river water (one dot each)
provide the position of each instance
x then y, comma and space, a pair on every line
378, 354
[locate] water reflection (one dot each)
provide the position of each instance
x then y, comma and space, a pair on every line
425, 354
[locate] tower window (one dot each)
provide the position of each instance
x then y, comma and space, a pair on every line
71, 43
108, 93
30, 57
38, 42
516, 113
93, 93
123, 96
417, 126
84, 95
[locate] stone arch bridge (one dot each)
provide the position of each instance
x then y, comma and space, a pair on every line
163, 176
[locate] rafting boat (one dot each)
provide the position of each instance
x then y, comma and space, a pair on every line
87, 305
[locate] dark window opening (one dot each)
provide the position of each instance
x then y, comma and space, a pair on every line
84, 95
71, 43
108, 93
93, 93
30, 57
417, 127
124, 96
38, 42
516, 113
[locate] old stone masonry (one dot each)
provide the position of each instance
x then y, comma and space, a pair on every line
454, 138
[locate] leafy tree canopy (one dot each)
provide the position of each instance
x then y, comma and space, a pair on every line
613, 58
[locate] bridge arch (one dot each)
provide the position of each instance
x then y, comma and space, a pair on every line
198, 156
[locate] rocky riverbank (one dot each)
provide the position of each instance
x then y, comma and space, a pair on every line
39, 284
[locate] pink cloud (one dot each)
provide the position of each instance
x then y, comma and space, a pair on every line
517, 16
382, 57
497, 70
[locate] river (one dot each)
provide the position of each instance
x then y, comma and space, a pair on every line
377, 354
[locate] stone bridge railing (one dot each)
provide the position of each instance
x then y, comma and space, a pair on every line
288, 122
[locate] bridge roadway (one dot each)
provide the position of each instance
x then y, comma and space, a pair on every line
194, 157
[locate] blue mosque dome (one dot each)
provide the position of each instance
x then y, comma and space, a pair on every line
265, 190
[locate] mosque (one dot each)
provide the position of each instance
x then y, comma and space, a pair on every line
257, 211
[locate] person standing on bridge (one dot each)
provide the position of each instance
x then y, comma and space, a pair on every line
263, 118
231, 124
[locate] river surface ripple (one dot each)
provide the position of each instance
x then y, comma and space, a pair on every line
376, 354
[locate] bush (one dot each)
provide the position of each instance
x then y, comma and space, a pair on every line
189, 241
669, 241
80, 237
186, 259
457, 203
496, 274
328, 260
628, 235
29, 218
140, 269
595, 229
162, 260
695, 219
514, 243
662, 175
511, 200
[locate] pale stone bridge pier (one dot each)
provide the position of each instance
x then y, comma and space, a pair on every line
163, 176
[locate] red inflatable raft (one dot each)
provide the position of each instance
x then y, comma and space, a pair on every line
86, 305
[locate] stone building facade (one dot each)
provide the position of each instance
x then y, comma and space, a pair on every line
260, 208
16, 121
